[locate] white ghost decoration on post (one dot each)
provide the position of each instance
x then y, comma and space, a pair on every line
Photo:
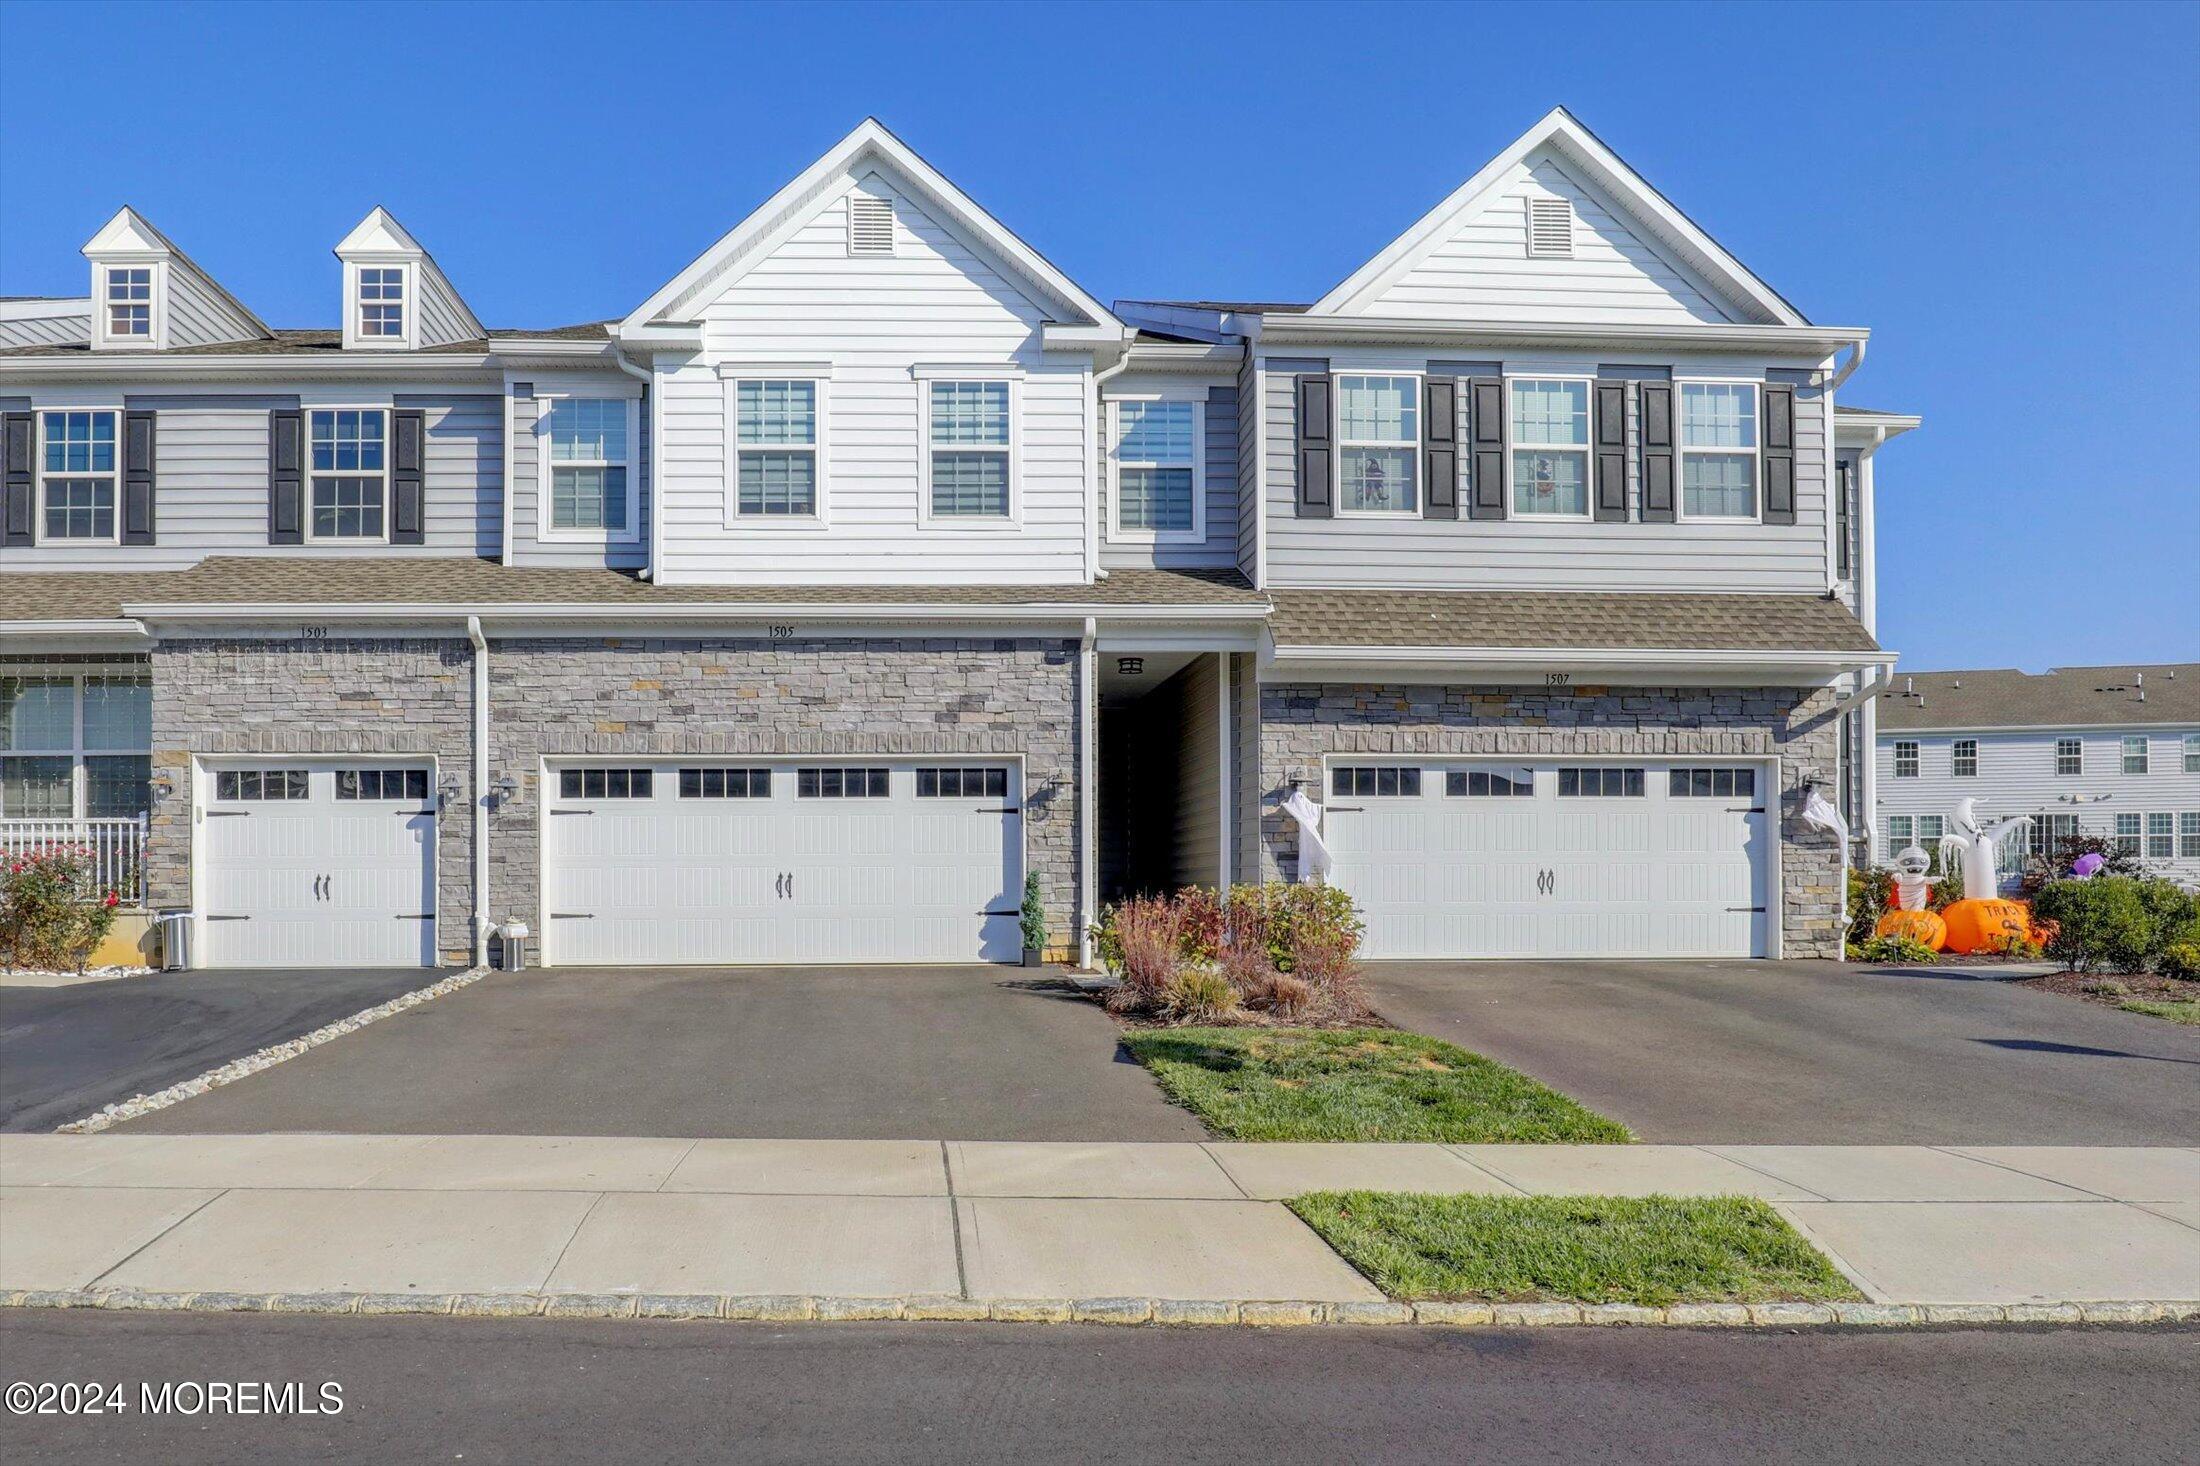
1313, 850
1975, 843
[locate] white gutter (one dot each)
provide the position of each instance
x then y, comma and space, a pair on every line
356, 611
1856, 359
481, 790
1096, 430
1600, 656
1294, 327
116, 627
1088, 792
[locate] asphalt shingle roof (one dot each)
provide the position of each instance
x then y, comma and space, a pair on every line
2070, 697
1565, 619
319, 339
464, 581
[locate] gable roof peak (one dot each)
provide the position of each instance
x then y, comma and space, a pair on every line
1561, 131
378, 231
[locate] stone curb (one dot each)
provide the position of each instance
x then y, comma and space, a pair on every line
267, 1058
1168, 1312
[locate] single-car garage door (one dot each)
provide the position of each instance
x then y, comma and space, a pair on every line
1480, 859
316, 864
782, 861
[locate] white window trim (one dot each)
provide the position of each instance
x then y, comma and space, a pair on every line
1955, 758
545, 531
1917, 760
410, 276
2189, 753
1117, 534
1413, 456
2188, 828
2056, 753
1681, 450
154, 340
925, 377
819, 376
405, 304
107, 301
38, 499
2123, 754
389, 451
1587, 450
2168, 835
1896, 842
74, 750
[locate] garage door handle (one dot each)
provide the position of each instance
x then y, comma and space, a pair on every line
227, 814
1758, 910
572, 916
1002, 809
212, 917
1344, 809
572, 811
418, 916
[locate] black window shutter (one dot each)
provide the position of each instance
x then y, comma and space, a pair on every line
1779, 453
16, 429
1440, 447
139, 446
408, 464
1657, 452
1486, 436
1317, 447
286, 477
1611, 452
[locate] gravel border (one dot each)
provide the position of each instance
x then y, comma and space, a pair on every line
267, 1058
1278, 1313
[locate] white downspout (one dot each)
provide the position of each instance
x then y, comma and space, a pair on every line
481, 790
1098, 408
1088, 792
656, 452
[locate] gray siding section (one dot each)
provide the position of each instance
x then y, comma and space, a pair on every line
2016, 775
211, 496
57, 330
1543, 554
1248, 469
439, 316
1197, 837
197, 313
528, 548
1218, 482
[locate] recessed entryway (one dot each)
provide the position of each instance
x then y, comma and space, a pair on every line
732, 860
315, 863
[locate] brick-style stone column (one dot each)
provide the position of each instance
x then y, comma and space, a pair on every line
1302, 722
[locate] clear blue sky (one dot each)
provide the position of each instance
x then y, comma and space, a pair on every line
2008, 195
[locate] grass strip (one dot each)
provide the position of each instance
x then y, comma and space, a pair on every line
1356, 1084
1650, 1250
2179, 1010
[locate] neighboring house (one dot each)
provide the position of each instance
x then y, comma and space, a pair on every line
873, 562
2112, 752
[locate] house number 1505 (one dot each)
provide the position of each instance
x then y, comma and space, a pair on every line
780, 632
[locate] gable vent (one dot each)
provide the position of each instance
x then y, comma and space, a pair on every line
870, 225
1550, 229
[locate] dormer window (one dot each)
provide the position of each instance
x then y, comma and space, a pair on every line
130, 301
382, 301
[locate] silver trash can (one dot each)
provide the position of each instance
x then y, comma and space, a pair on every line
513, 940
175, 940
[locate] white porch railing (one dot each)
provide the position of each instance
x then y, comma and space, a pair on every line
114, 850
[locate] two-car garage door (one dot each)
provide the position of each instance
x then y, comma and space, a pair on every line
782, 861
1482, 859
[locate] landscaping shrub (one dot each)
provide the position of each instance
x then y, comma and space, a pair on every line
1284, 952
50, 917
1033, 917
1892, 949
2041, 870
2117, 922
2180, 960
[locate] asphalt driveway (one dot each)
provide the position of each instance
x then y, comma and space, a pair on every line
909, 1053
1814, 1052
66, 1051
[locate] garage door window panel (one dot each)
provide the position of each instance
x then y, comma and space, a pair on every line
251, 786
962, 783
1712, 784
1489, 784
605, 783
838, 783
743, 783
409, 785
1600, 783
1376, 782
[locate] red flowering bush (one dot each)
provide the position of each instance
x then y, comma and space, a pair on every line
51, 917
1276, 953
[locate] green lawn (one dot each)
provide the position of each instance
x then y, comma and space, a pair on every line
1355, 1084
1651, 1250
2183, 1010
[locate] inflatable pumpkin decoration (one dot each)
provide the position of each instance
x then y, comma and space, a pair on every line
1987, 924
1918, 926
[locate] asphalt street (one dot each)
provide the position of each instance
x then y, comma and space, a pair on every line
535, 1391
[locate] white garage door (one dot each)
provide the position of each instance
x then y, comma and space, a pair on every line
319, 864
816, 861
1463, 859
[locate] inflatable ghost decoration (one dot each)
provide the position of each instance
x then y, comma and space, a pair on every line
2088, 865
1973, 841
1912, 886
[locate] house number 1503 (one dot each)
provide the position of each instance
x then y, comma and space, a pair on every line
314, 633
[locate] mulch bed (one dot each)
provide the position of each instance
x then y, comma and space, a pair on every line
2115, 988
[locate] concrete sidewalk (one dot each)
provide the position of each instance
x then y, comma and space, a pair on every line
437, 1216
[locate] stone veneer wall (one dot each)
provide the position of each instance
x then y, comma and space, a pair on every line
351, 695
907, 696
1301, 722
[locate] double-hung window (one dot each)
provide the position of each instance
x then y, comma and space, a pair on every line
775, 430
2192, 753
129, 301
76, 475
2047, 832
1550, 447
2188, 835
2135, 753
969, 449
2161, 837
1963, 758
2127, 833
1901, 832
381, 301
349, 494
1157, 451
1905, 758
1718, 450
1378, 445
76, 746
586, 465
2069, 756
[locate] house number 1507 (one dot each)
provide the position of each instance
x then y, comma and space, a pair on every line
1557, 679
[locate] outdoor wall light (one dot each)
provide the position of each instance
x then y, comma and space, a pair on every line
164, 788
447, 790
1130, 666
507, 789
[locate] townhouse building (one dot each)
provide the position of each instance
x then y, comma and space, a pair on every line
872, 564
2107, 752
